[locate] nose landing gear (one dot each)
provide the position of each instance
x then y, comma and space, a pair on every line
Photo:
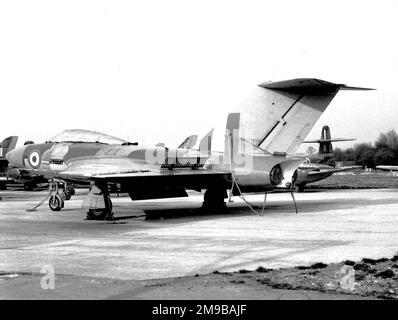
56, 201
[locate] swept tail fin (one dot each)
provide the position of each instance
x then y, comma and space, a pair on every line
189, 142
205, 143
279, 115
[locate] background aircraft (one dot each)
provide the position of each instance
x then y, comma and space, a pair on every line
387, 168
31, 179
322, 165
26, 172
188, 143
6, 145
75, 143
325, 153
270, 124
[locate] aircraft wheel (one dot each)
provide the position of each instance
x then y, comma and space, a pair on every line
66, 194
299, 188
214, 198
96, 214
100, 214
71, 191
28, 186
56, 203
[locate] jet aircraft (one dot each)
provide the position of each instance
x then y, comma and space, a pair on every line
387, 168
321, 165
266, 128
6, 145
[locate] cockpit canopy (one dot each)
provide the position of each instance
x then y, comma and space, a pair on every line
80, 135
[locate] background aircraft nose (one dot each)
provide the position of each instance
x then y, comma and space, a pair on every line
14, 157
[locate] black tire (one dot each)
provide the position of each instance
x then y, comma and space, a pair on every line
299, 188
56, 203
71, 191
100, 214
66, 194
28, 186
214, 198
96, 214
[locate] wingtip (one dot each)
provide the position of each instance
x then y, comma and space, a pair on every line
345, 87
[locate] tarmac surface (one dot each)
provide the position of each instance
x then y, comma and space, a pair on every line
181, 240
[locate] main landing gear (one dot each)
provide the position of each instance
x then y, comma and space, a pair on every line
99, 204
57, 199
101, 214
214, 198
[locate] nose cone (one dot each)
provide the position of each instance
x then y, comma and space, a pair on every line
15, 157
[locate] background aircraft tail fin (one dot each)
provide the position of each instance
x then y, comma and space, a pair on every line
279, 115
8, 144
325, 142
205, 143
189, 142
231, 137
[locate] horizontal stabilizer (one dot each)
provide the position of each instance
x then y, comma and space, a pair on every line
308, 85
328, 140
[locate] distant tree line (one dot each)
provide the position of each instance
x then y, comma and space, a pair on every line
383, 152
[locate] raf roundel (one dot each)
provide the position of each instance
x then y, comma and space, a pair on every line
34, 159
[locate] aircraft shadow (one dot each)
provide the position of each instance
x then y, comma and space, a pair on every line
129, 217
276, 209
177, 213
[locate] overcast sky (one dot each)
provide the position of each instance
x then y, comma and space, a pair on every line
152, 71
